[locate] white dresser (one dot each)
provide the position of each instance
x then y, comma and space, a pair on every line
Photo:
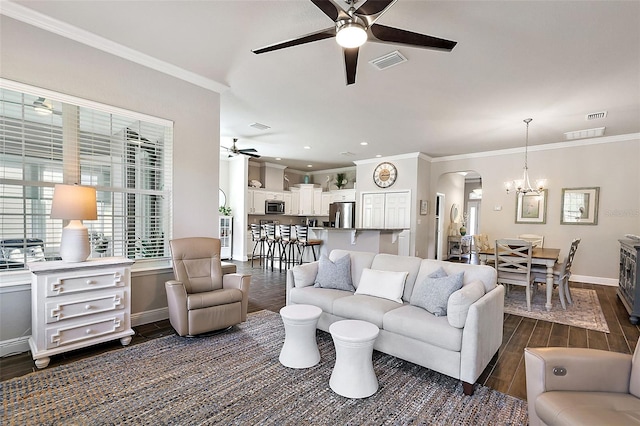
74, 305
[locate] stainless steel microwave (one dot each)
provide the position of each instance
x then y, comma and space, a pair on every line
274, 207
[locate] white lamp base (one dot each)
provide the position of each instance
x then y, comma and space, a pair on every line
75, 246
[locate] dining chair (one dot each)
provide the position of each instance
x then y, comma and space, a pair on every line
535, 240
259, 240
273, 245
561, 274
481, 243
302, 236
513, 264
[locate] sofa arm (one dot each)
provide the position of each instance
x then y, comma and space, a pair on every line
301, 276
482, 334
242, 282
177, 304
586, 370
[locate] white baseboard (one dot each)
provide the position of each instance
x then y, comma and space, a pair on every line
147, 317
14, 346
613, 282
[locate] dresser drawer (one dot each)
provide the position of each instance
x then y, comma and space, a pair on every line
85, 331
58, 309
75, 282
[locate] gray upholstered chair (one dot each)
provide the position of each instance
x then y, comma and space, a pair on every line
576, 386
201, 298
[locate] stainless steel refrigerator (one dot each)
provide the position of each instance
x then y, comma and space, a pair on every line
342, 214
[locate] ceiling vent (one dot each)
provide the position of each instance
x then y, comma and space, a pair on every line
388, 60
259, 126
584, 134
347, 153
596, 115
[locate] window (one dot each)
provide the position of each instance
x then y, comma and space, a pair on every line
48, 138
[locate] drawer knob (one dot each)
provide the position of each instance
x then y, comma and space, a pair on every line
87, 307
89, 282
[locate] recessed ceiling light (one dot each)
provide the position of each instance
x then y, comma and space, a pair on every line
364, 143
278, 159
309, 165
307, 147
378, 155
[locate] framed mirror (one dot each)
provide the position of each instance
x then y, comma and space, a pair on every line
579, 206
222, 198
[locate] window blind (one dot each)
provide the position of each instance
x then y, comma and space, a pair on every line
126, 156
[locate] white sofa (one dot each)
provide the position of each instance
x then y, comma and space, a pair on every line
460, 344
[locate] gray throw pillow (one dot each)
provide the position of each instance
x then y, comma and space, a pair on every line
433, 293
336, 275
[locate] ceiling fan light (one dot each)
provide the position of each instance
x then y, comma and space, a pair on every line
351, 35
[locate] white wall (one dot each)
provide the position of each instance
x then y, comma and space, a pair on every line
610, 163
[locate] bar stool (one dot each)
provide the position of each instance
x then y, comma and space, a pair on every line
302, 232
273, 244
289, 243
258, 239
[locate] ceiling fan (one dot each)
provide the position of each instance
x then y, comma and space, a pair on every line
357, 25
233, 150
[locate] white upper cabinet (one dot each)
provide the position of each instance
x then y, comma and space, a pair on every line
388, 210
343, 195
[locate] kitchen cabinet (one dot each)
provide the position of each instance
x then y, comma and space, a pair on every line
225, 227
309, 196
629, 283
293, 208
324, 203
75, 305
386, 210
343, 195
255, 201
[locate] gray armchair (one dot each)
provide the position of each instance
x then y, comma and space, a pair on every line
201, 298
576, 386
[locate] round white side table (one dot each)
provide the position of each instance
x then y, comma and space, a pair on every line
300, 349
353, 375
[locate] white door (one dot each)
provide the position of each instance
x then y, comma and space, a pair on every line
397, 208
373, 210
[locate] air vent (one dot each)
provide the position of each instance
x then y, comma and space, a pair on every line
584, 134
596, 115
388, 60
259, 126
347, 153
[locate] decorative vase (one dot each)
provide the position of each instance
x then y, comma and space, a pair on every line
306, 179
463, 231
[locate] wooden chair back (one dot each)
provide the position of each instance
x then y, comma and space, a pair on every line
535, 240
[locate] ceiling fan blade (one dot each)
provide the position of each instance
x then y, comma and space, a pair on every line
328, 8
318, 35
386, 34
351, 63
251, 155
244, 151
373, 7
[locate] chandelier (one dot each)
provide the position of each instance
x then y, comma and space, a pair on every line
523, 186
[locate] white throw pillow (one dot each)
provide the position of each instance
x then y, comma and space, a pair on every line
384, 284
305, 275
461, 300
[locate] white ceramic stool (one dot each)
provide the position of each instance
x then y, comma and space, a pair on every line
353, 375
300, 349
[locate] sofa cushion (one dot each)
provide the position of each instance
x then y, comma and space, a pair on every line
461, 300
433, 293
484, 273
392, 262
385, 284
581, 408
359, 261
305, 275
416, 323
323, 298
336, 275
365, 308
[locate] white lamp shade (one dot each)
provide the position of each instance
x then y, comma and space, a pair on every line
74, 202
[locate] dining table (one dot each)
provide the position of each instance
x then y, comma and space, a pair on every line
539, 256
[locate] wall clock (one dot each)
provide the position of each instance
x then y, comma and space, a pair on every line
385, 175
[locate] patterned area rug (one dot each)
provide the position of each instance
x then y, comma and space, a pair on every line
235, 378
584, 312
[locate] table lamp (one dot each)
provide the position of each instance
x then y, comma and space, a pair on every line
74, 203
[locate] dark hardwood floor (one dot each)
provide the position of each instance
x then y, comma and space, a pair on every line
505, 372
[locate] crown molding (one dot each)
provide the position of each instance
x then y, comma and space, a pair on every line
39, 20
545, 147
394, 157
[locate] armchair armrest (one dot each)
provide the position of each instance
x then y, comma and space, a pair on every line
177, 302
241, 282
584, 370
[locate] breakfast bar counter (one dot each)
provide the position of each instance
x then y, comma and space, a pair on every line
391, 241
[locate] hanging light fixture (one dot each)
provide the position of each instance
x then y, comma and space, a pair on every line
523, 186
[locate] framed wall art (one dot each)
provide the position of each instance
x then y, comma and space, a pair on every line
531, 207
579, 206
424, 207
